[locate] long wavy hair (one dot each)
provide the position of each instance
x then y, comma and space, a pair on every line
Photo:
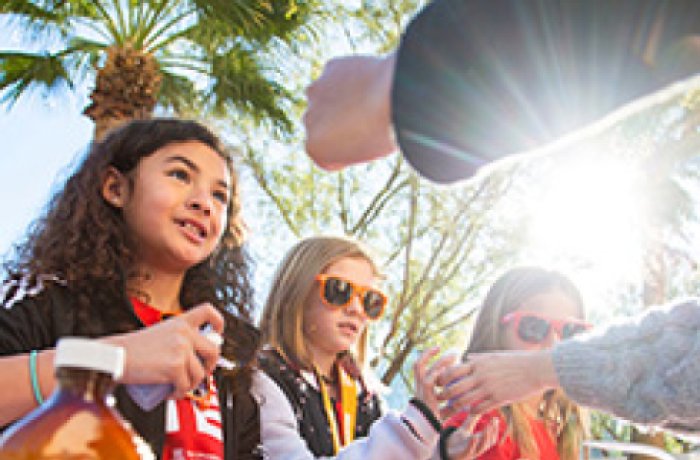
293, 287
563, 418
84, 241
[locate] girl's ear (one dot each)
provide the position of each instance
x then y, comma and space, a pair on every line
115, 187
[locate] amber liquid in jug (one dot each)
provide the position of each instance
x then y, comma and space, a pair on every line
76, 422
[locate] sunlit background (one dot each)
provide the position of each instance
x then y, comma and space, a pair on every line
580, 207
587, 223
584, 214
594, 206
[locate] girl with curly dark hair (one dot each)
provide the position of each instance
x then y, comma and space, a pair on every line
142, 247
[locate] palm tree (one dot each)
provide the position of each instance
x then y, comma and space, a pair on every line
179, 54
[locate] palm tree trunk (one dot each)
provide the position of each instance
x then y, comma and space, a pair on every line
126, 88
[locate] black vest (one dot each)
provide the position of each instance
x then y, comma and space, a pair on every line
307, 404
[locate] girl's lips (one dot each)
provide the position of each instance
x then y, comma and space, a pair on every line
350, 327
194, 231
194, 226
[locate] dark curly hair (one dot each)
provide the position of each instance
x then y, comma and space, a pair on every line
84, 241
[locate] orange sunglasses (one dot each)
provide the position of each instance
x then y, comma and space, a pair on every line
338, 292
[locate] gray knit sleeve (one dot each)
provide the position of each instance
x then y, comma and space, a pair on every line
645, 369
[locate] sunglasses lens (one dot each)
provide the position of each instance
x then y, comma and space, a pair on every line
373, 304
337, 291
571, 329
532, 329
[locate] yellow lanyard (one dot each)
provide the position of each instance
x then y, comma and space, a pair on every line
348, 405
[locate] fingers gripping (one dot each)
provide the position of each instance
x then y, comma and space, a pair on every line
204, 314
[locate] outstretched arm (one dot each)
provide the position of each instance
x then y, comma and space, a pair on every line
643, 369
486, 381
473, 81
348, 117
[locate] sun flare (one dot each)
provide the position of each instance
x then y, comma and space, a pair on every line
591, 214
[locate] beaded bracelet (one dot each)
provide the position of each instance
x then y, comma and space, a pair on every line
34, 378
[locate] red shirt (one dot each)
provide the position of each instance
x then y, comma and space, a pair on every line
506, 448
192, 429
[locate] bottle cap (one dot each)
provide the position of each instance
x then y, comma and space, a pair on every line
90, 354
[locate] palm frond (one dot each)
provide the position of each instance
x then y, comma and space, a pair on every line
150, 21
178, 93
86, 54
239, 80
165, 33
20, 71
34, 24
121, 22
106, 19
241, 16
252, 21
215, 44
31, 9
47, 21
87, 45
53, 12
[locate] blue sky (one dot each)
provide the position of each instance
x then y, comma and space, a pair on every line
44, 134
40, 137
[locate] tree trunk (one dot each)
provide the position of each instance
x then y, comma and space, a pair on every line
126, 88
397, 362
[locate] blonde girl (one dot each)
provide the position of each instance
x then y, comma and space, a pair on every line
316, 399
529, 308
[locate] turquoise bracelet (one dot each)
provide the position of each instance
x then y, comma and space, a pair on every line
34, 378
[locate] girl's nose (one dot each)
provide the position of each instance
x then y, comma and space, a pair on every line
200, 202
355, 305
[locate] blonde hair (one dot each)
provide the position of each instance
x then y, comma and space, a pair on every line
293, 286
563, 418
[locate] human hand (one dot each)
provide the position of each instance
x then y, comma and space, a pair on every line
426, 377
486, 381
348, 114
173, 351
465, 444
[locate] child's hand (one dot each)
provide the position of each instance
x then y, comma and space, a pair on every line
486, 381
173, 351
426, 377
465, 444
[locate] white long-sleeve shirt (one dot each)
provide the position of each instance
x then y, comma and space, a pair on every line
390, 437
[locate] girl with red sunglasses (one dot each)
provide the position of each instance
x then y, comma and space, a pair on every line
315, 397
529, 308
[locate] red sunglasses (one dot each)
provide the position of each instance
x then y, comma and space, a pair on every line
338, 292
535, 328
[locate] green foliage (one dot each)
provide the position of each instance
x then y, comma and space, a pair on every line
441, 247
220, 46
238, 76
438, 247
20, 70
606, 427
